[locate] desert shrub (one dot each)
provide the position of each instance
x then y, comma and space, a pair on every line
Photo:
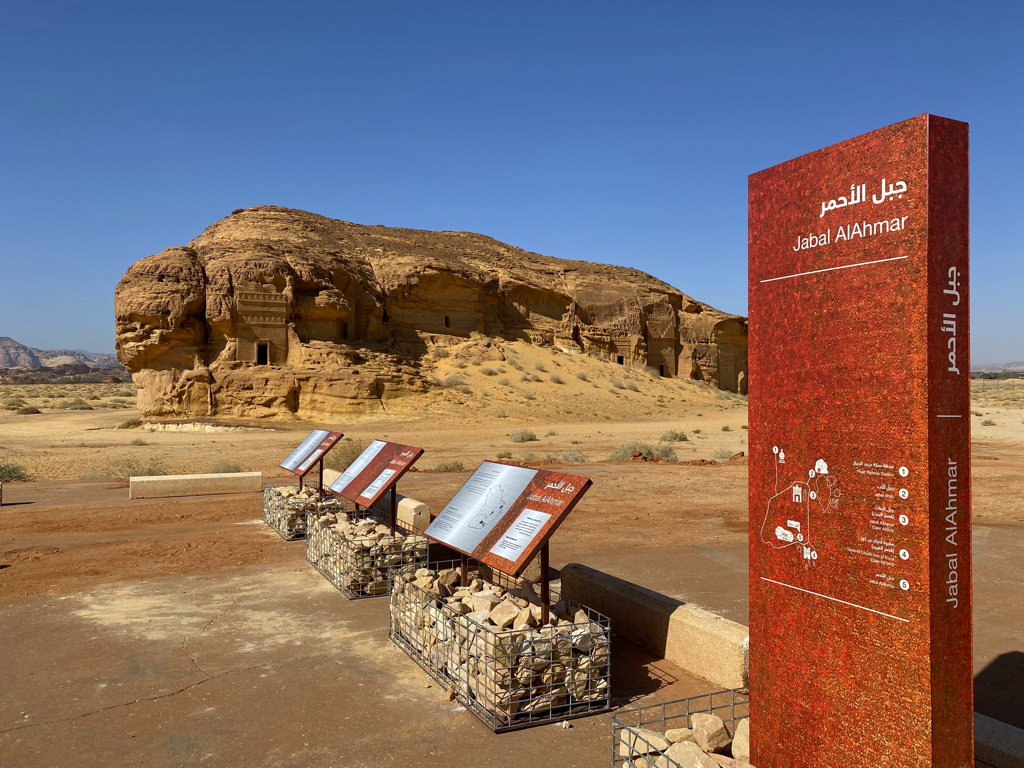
126, 393
488, 372
501, 369
976, 413
723, 454
556, 379
529, 457
525, 377
12, 403
458, 364
500, 414
582, 376
504, 454
27, 410
516, 364
503, 381
224, 467
540, 367
571, 456
139, 441
674, 436
344, 453
11, 472
552, 433
94, 397
987, 423
124, 467
449, 466
632, 387
744, 427
529, 396
625, 451
78, 404
617, 384
522, 436
726, 428
439, 353
453, 380
130, 424
696, 431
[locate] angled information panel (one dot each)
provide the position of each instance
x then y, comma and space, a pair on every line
503, 514
310, 451
860, 542
375, 471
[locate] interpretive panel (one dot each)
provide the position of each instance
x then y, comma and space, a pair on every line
504, 514
375, 471
310, 451
860, 544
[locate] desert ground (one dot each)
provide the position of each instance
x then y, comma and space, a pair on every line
185, 632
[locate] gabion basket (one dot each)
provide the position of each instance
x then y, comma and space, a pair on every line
638, 735
360, 566
287, 514
513, 676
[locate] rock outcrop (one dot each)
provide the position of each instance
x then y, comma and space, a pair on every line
273, 311
16, 355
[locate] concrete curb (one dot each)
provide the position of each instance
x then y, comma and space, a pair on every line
695, 639
160, 486
998, 744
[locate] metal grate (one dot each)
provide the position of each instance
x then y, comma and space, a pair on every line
633, 746
287, 515
509, 678
360, 567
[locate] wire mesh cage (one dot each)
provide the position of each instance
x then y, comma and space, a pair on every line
482, 637
657, 736
285, 509
356, 552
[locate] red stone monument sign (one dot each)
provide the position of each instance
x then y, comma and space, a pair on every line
860, 536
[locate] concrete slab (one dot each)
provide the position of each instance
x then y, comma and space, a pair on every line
257, 666
160, 486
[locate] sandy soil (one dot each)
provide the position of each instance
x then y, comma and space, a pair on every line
70, 533
80, 529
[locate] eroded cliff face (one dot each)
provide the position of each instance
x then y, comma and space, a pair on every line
275, 312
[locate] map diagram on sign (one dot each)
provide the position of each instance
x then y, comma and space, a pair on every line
788, 520
492, 508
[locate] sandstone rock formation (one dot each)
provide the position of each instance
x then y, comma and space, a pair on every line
16, 355
273, 311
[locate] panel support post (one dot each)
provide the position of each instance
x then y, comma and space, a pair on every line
394, 508
545, 585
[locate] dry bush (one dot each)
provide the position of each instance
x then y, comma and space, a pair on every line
522, 436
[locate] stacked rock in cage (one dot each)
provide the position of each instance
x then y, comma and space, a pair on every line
357, 556
285, 509
486, 642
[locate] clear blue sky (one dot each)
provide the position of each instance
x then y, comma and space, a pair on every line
611, 132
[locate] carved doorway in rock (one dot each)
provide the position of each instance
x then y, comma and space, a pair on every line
262, 353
